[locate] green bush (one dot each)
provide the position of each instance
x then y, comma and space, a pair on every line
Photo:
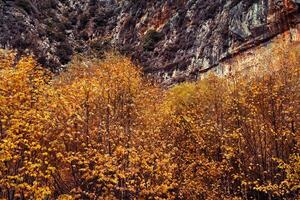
84, 19
152, 37
64, 52
25, 5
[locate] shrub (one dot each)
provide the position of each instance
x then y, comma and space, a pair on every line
152, 37
64, 52
25, 5
83, 21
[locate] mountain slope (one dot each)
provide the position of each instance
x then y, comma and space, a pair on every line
174, 40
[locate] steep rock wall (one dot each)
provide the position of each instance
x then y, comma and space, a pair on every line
173, 40
196, 35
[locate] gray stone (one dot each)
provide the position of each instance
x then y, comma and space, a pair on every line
195, 35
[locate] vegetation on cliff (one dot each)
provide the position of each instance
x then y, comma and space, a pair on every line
101, 131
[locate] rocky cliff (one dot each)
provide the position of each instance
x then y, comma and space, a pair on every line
173, 40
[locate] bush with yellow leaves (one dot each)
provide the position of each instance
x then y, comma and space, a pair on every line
99, 130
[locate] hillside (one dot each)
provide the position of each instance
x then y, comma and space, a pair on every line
149, 100
172, 40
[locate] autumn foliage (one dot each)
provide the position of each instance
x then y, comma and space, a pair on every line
101, 131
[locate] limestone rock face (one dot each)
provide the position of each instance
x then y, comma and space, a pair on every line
173, 40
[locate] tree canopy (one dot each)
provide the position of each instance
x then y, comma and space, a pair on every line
100, 130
